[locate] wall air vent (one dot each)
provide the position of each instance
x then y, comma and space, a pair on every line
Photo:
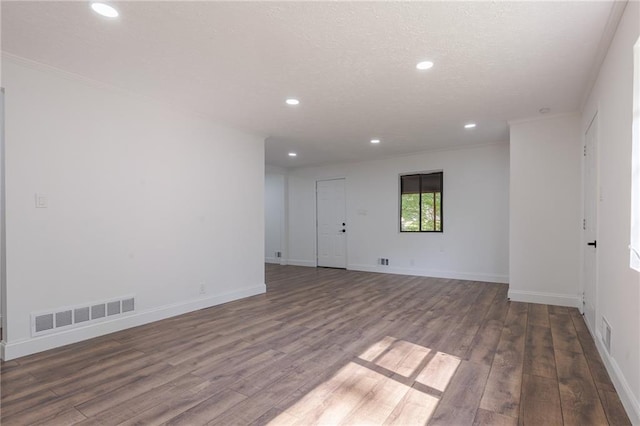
64, 318
97, 311
43, 322
113, 308
81, 314
606, 334
128, 305
57, 320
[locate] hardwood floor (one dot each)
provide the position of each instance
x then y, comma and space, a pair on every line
329, 346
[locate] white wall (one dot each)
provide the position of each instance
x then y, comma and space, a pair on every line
3, 266
302, 219
274, 213
474, 244
619, 285
142, 199
545, 210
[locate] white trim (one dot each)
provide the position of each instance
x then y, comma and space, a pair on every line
447, 148
630, 403
12, 350
300, 262
541, 118
468, 276
272, 260
556, 299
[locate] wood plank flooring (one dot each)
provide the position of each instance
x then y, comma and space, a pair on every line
326, 346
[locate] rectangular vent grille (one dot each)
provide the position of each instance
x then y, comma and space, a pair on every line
113, 308
81, 314
64, 318
97, 311
606, 334
128, 305
44, 322
70, 317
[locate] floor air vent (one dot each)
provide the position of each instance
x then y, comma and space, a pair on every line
69, 317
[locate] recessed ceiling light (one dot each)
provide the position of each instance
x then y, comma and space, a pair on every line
544, 110
375, 140
424, 65
292, 154
470, 125
292, 101
104, 10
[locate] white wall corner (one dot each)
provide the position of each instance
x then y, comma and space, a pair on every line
570, 300
275, 170
24, 347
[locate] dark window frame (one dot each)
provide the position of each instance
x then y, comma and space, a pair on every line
421, 175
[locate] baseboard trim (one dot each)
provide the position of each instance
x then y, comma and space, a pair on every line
17, 349
629, 401
272, 260
556, 299
468, 276
299, 262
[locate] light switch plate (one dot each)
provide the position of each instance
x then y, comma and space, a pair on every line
41, 201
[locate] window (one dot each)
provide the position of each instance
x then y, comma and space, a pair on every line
421, 202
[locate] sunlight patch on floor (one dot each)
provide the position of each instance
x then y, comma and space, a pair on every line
439, 371
392, 382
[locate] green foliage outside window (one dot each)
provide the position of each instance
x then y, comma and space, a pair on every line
421, 203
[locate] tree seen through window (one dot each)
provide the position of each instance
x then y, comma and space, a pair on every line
421, 202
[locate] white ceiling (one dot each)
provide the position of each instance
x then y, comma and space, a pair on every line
351, 64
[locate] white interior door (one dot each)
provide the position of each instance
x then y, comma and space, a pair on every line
590, 224
332, 225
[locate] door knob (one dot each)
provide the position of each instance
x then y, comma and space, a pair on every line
343, 230
594, 243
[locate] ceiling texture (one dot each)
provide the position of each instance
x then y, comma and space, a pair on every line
352, 65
